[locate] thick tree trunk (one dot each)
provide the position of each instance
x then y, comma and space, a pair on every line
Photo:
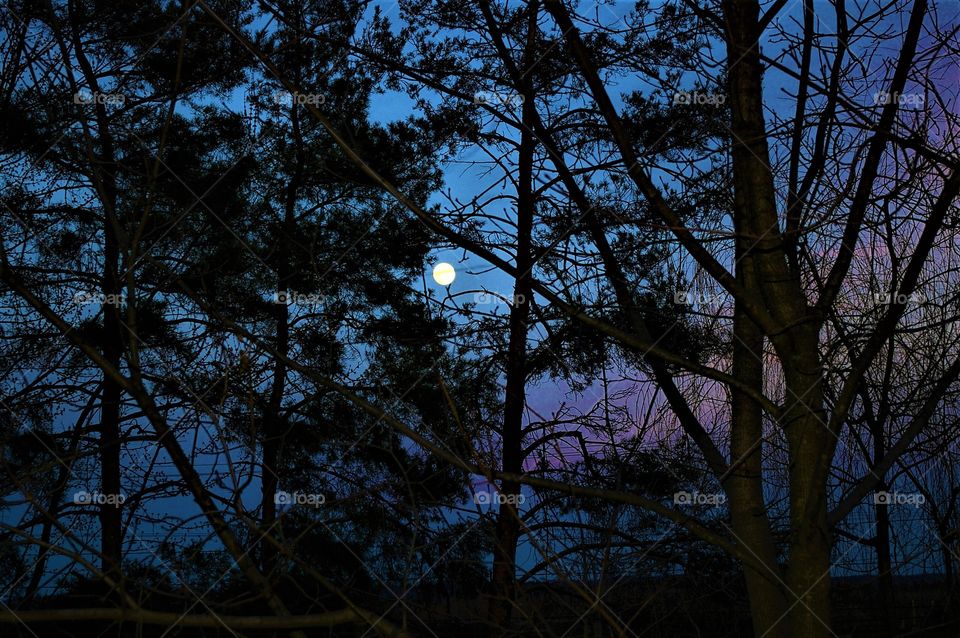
795, 335
808, 571
744, 485
808, 576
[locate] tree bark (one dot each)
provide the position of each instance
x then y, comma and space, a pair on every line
744, 485
795, 334
882, 538
808, 571
507, 530
112, 342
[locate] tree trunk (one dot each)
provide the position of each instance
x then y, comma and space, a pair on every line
270, 448
882, 537
949, 570
109, 431
272, 419
808, 571
507, 530
744, 485
794, 328
112, 344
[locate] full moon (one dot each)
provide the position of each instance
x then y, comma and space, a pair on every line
444, 274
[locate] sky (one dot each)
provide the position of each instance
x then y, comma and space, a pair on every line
465, 182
